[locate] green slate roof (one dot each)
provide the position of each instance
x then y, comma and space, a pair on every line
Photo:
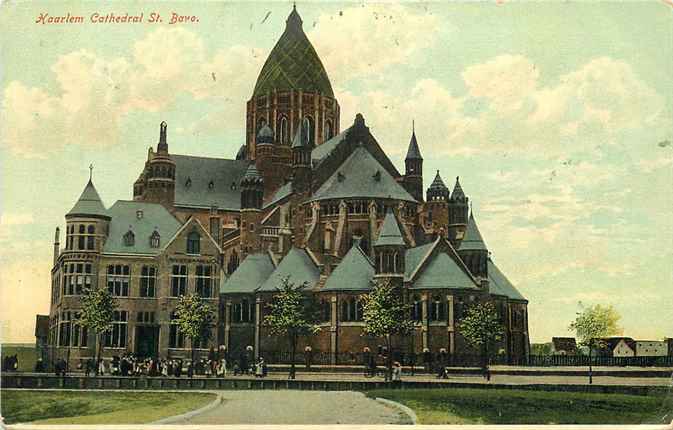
413, 153
390, 234
500, 285
293, 64
89, 203
437, 183
472, 239
254, 270
443, 272
354, 273
298, 266
414, 256
124, 216
457, 190
361, 176
194, 174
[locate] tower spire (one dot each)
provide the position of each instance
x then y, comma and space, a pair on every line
90, 172
163, 144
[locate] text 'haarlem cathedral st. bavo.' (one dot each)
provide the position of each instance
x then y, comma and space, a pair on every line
302, 198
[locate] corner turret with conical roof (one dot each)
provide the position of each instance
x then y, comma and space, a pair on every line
292, 91
413, 163
436, 212
252, 193
87, 221
160, 173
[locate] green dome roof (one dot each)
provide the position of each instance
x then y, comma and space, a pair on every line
293, 64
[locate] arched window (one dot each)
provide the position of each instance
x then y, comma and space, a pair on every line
309, 128
325, 310
245, 310
81, 239
193, 243
437, 309
261, 122
417, 309
233, 263
129, 238
345, 310
283, 132
90, 239
328, 132
357, 310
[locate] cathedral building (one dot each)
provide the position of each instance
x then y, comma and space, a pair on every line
302, 199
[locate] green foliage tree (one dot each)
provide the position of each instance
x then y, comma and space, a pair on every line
385, 314
195, 319
591, 325
292, 313
98, 307
481, 327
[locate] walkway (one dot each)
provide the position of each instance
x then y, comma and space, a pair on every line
298, 407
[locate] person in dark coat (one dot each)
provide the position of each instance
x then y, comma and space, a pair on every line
39, 366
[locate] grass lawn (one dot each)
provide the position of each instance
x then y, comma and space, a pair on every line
490, 406
96, 407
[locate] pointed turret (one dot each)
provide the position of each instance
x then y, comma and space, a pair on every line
89, 204
458, 208
413, 163
472, 239
252, 193
389, 248
162, 146
457, 193
473, 250
437, 191
390, 234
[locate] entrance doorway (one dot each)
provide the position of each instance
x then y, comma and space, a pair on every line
147, 341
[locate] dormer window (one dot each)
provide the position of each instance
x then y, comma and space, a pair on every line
188, 183
194, 243
155, 239
377, 176
341, 177
129, 238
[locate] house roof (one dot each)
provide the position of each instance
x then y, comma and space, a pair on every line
250, 274
564, 343
323, 150
298, 266
472, 239
293, 64
414, 256
390, 234
438, 183
353, 273
361, 175
442, 271
193, 176
125, 218
89, 203
499, 285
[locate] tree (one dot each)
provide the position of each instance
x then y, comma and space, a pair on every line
591, 325
480, 327
292, 314
98, 307
385, 314
195, 319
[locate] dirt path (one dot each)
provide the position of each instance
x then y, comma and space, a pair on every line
298, 407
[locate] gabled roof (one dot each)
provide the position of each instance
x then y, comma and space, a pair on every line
354, 273
472, 239
390, 234
293, 64
125, 218
499, 284
194, 174
361, 175
298, 266
414, 256
89, 203
250, 274
413, 152
442, 271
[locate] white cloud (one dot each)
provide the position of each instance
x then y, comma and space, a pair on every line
95, 93
366, 39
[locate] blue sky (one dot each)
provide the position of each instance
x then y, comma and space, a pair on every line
556, 116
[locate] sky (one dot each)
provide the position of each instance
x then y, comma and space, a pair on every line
557, 116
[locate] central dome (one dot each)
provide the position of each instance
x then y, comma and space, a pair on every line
293, 64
